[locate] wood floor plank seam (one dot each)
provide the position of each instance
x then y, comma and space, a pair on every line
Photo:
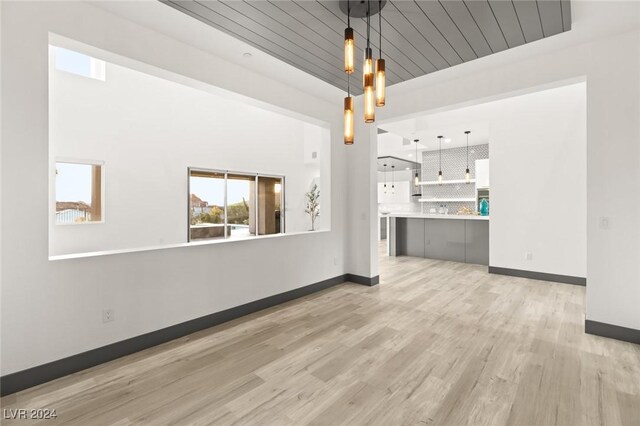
435, 343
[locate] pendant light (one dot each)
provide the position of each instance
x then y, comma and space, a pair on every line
416, 178
369, 97
467, 175
349, 43
393, 180
385, 178
348, 115
440, 152
380, 74
373, 75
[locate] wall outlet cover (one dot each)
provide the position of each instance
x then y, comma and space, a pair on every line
108, 315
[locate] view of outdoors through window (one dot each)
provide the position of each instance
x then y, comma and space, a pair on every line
78, 193
79, 64
241, 205
211, 195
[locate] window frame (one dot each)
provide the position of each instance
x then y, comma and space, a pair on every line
85, 162
226, 174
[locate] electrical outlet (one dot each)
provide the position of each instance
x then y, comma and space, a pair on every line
528, 256
108, 315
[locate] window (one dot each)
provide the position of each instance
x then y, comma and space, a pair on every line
79, 64
206, 205
78, 192
270, 217
241, 205
234, 205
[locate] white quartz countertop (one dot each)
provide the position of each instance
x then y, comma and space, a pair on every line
437, 216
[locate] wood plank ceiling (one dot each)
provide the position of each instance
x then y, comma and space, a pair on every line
418, 36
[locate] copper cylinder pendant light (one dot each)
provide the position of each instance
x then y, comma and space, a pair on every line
349, 44
369, 96
348, 116
373, 72
380, 72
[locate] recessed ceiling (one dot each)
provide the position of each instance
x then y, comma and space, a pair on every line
386, 163
419, 37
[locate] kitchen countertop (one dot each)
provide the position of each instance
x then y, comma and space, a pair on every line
436, 216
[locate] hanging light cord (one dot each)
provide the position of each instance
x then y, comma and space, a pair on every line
380, 27
348, 14
440, 151
368, 21
467, 150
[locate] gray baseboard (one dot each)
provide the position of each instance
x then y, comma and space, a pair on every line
565, 279
359, 279
34, 376
611, 331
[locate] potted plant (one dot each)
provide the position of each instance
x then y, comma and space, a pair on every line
313, 205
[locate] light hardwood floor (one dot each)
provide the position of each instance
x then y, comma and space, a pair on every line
436, 342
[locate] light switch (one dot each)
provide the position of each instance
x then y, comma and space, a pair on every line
604, 222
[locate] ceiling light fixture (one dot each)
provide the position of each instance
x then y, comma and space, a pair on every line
393, 180
440, 151
373, 79
385, 178
367, 76
349, 43
380, 73
348, 115
416, 178
467, 175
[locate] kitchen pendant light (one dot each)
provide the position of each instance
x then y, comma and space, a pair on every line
380, 73
349, 43
393, 180
369, 96
348, 115
385, 178
440, 152
416, 178
467, 175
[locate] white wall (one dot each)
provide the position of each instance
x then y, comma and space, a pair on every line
604, 48
539, 182
148, 130
53, 309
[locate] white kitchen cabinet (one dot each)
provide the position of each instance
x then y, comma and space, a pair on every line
482, 173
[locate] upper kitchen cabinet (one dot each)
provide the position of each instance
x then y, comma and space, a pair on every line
482, 173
